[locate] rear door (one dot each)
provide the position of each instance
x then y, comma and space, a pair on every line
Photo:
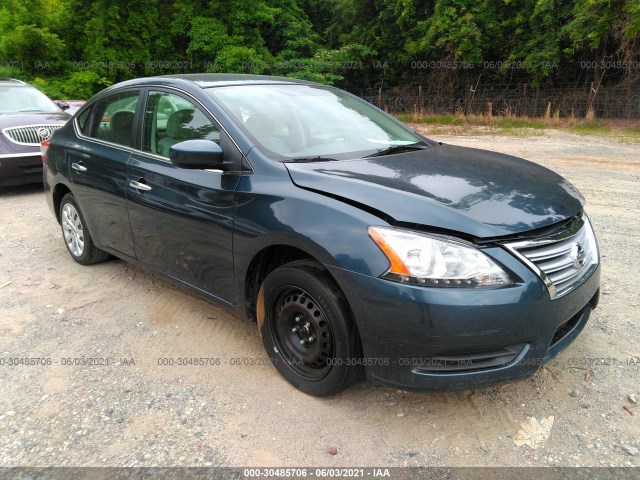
181, 219
98, 170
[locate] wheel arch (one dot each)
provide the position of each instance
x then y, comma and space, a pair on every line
59, 191
266, 261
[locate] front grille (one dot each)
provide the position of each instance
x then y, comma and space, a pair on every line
468, 362
30, 135
562, 259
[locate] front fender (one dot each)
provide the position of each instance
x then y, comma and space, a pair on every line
271, 210
334, 233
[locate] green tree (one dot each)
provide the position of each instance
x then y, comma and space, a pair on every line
76, 47
28, 38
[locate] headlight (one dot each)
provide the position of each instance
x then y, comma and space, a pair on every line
436, 261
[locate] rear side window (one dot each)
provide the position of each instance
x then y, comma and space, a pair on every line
113, 118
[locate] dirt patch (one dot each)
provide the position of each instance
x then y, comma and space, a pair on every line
108, 328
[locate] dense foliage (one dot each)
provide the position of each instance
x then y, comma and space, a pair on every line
73, 48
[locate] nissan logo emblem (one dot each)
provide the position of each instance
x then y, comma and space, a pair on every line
578, 255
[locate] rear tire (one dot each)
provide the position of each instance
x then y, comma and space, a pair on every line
307, 329
76, 234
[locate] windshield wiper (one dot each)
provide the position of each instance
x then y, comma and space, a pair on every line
311, 159
398, 149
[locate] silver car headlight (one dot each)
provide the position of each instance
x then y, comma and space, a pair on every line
435, 261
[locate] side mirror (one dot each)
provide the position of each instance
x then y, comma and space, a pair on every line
63, 105
196, 154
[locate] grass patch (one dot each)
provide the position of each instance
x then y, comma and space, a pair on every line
437, 119
591, 129
514, 123
625, 130
516, 132
460, 124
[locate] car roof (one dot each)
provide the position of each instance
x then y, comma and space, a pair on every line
209, 80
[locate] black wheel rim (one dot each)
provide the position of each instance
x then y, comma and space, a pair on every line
302, 333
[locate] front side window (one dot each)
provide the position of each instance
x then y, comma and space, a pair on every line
113, 118
171, 119
304, 121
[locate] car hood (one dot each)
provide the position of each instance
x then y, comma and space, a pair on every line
32, 118
476, 192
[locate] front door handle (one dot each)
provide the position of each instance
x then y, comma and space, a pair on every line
78, 167
139, 186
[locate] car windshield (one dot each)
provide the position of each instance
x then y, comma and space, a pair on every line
307, 123
22, 99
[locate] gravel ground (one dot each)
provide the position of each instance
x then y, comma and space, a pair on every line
133, 412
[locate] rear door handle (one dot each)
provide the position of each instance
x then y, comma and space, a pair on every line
139, 186
78, 167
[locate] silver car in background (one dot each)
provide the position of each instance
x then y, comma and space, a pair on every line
27, 118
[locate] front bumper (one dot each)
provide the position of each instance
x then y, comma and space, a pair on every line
445, 339
20, 168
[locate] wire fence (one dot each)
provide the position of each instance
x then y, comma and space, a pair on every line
614, 102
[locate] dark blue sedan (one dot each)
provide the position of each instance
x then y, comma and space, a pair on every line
357, 245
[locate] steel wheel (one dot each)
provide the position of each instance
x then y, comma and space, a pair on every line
72, 229
307, 329
303, 333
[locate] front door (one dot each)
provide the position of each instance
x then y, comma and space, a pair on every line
181, 219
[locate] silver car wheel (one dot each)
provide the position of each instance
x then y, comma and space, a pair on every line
72, 229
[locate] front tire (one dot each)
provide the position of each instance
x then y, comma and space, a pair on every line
307, 329
76, 234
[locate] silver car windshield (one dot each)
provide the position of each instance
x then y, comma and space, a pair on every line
25, 99
297, 122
